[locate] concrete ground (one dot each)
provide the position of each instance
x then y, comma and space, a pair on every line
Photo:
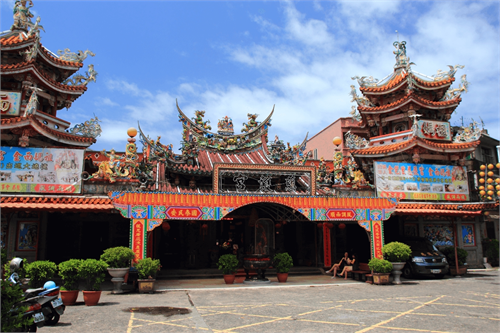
303, 304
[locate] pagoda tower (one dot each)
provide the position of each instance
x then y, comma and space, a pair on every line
406, 117
36, 84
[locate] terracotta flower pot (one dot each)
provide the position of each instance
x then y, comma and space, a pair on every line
91, 298
229, 278
381, 278
282, 277
69, 297
461, 270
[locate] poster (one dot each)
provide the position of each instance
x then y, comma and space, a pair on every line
27, 236
421, 181
468, 235
40, 170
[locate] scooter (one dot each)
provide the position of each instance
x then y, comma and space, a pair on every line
47, 297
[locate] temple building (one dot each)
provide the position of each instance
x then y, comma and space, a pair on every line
401, 137
396, 168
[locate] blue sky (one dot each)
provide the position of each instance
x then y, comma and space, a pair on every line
237, 57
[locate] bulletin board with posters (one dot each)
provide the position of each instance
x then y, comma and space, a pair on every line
421, 181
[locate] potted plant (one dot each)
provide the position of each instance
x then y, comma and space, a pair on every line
282, 262
69, 271
228, 263
40, 272
381, 269
396, 253
146, 270
94, 273
118, 259
449, 252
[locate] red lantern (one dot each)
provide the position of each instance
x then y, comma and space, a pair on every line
329, 225
320, 225
277, 225
341, 226
204, 226
165, 226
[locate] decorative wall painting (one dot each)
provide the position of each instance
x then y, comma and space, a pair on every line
439, 234
411, 229
27, 236
468, 235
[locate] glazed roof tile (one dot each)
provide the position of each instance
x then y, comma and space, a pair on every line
433, 83
397, 79
384, 149
56, 203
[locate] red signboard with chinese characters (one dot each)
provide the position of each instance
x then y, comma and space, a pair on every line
327, 246
341, 214
377, 242
138, 234
187, 213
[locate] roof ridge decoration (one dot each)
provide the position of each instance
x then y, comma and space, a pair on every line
468, 134
81, 80
362, 101
196, 135
355, 115
354, 141
89, 129
457, 92
294, 155
32, 105
225, 126
79, 56
22, 15
442, 75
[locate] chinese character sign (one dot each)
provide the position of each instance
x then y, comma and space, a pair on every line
9, 103
138, 238
421, 181
435, 130
40, 170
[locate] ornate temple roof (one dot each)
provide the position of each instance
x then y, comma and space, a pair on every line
396, 148
31, 122
456, 209
408, 98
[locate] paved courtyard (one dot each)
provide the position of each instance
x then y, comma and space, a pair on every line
466, 304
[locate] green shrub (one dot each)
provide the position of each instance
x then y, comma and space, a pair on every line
228, 263
147, 268
13, 321
118, 257
69, 271
396, 252
40, 272
380, 265
283, 262
449, 252
94, 273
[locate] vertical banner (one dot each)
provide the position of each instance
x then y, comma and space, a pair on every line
327, 246
377, 239
138, 238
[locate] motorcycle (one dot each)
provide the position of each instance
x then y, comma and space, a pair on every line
47, 298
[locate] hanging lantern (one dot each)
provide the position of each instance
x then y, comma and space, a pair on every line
490, 180
482, 167
497, 180
204, 226
329, 225
482, 174
341, 226
498, 165
490, 173
490, 166
165, 226
482, 192
277, 225
486, 213
481, 188
320, 225
481, 180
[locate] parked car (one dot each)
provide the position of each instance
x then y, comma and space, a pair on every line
425, 259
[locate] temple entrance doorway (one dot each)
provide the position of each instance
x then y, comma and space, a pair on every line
350, 238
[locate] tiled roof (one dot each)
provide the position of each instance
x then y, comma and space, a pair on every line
39, 127
391, 83
14, 39
459, 209
55, 203
407, 97
206, 160
32, 65
433, 83
384, 149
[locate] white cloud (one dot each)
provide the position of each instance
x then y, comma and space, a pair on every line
106, 101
